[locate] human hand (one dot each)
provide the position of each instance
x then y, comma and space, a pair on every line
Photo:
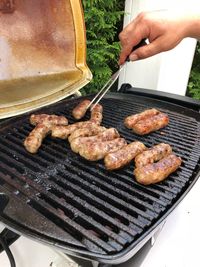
164, 30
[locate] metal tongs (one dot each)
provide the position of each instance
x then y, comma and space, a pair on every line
113, 78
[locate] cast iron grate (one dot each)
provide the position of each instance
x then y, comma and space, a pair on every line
62, 199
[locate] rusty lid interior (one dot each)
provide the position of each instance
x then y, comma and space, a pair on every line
42, 53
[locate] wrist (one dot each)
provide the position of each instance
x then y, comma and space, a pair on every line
193, 28
191, 24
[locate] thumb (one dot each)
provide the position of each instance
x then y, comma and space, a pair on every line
148, 50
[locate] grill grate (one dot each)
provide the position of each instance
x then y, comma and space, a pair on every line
98, 212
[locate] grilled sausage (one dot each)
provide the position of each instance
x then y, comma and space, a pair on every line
36, 136
48, 119
63, 132
153, 154
151, 124
130, 121
97, 150
85, 132
97, 114
123, 156
81, 142
157, 172
79, 111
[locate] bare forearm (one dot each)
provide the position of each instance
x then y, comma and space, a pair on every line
192, 26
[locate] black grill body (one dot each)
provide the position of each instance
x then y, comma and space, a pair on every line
60, 199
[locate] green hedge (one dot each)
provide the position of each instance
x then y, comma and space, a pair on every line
193, 89
103, 21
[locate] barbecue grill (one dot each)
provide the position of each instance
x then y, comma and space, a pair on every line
60, 199
55, 196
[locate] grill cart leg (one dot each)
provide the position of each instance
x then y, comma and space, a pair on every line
104, 265
97, 264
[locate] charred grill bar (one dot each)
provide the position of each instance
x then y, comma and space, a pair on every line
78, 206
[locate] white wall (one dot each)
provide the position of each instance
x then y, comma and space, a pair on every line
169, 71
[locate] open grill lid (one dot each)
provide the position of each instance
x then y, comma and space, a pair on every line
61, 199
42, 52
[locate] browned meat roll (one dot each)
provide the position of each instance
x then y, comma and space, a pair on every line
85, 132
153, 154
63, 132
130, 121
123, 156
79, 111
48, 119
35, 138
157, 172
96, 114
81, 142
151, 124
97, 150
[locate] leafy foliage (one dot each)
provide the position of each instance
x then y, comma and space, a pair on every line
193, 89
103, 21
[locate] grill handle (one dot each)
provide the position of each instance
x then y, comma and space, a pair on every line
172, 98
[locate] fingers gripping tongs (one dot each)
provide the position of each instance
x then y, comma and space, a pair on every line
111, 81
